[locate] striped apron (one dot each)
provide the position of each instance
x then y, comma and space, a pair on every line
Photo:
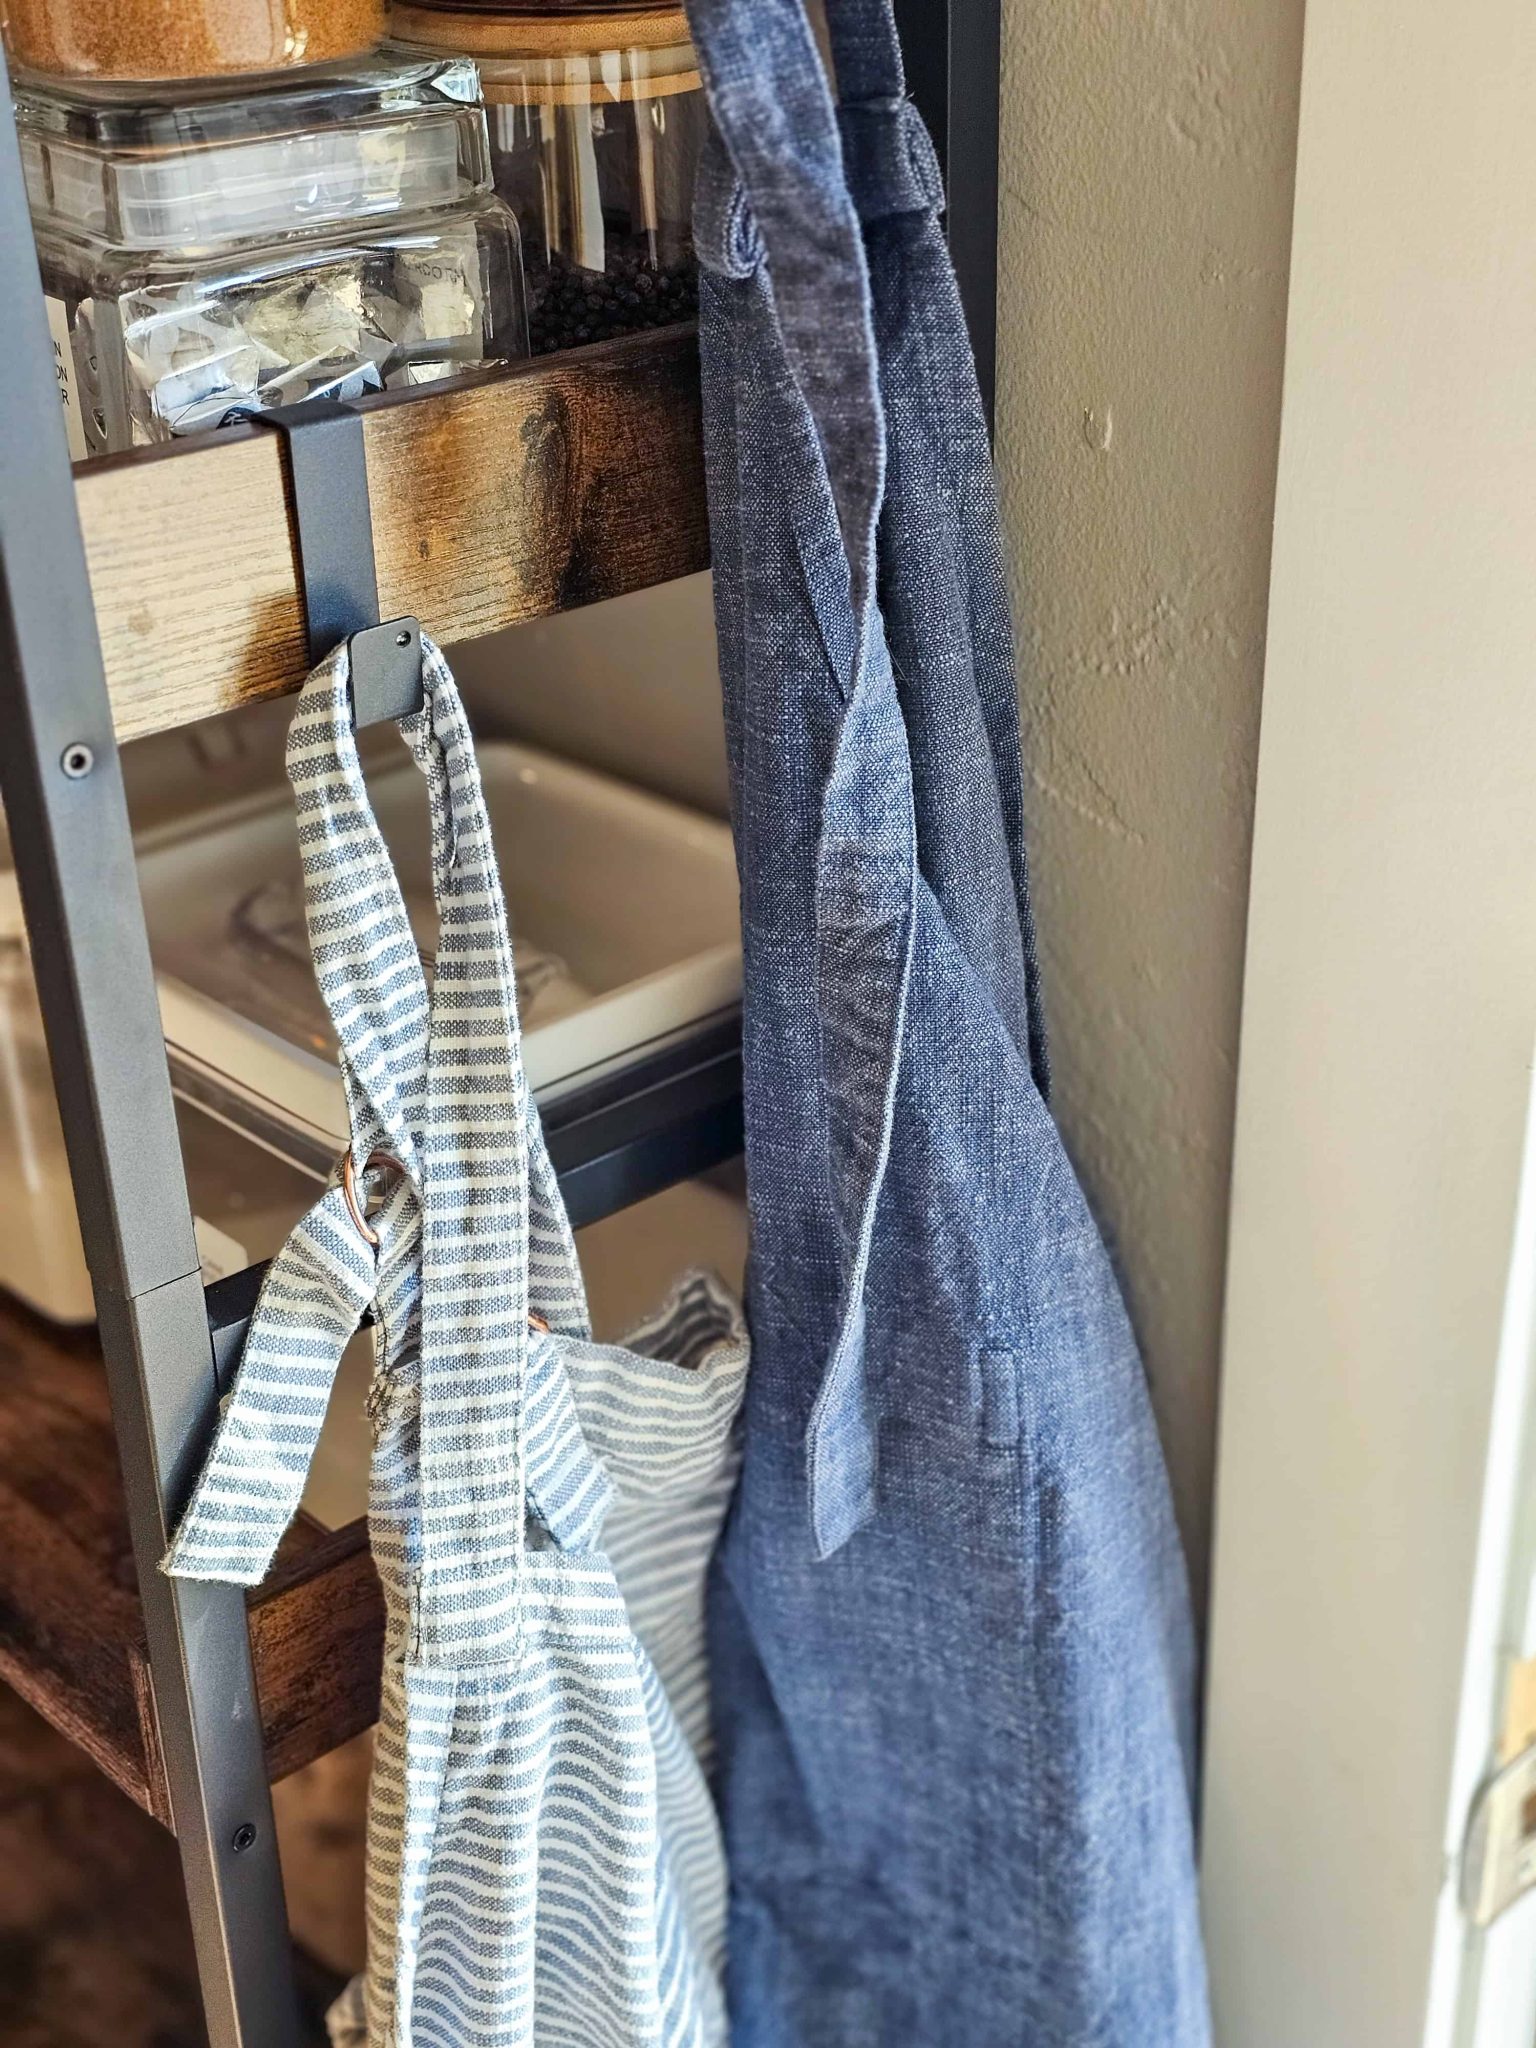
544, 1865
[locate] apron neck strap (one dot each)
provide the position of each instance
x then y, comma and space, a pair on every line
436, 1079
866, 51
774, 114
792, 207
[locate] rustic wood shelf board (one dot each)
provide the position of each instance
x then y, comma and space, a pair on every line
67, 1589
525, 492
71, 1631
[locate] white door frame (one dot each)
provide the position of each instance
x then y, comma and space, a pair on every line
1389, 1014
1482, 1986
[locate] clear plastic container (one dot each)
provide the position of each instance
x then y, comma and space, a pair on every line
596, 120
159, 39
322, 235
244, 1198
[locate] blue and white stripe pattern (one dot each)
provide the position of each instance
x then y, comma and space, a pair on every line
544, 1864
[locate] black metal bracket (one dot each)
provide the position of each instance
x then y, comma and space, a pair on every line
338, 572
953, 50
657, 1119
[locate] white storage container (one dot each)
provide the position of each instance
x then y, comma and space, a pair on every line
41, 1259
624, 916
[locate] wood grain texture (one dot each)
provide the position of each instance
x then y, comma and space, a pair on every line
71, 1629
69, 1604
524, 492
317, 1640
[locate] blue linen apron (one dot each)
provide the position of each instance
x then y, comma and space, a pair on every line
950, 1630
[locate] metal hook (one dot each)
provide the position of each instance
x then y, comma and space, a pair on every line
338, 577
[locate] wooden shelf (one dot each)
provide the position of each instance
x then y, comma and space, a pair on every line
523, 492
71, 1632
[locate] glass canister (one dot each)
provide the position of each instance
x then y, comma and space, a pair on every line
596, 119
158, 39
316, 235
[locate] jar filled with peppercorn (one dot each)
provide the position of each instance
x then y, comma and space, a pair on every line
597, 118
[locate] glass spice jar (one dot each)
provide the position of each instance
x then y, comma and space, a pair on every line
319, 234
596, 122
145, 40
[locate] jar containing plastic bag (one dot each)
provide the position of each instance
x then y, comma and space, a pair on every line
320, 235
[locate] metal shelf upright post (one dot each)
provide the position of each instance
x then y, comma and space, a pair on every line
68, 819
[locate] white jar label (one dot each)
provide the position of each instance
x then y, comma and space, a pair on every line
64, 370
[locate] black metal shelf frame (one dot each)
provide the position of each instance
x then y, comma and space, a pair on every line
63, 793
166, 1340
952, 50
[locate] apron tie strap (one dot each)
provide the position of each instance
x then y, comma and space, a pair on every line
789, 212
316, 1293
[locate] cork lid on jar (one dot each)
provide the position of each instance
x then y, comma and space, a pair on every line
526, 53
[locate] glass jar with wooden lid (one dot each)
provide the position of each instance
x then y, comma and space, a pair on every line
140, 41
596, 118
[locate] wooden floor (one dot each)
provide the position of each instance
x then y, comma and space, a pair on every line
94, 1945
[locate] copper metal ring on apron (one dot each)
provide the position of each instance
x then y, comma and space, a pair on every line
370, 1237
349, 1189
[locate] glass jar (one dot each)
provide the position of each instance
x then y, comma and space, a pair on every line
596, 122
156, 39
309, 239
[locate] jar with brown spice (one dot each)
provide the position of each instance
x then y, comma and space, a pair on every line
597, 118
324, 233
144, 40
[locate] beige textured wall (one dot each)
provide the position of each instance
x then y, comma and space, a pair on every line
1148, 156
